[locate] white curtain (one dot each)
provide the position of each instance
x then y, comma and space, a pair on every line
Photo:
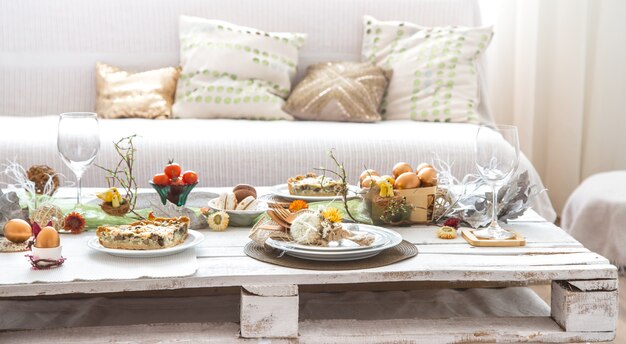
557, 70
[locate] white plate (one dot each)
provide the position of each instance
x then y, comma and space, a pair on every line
193, 239
344, 245
282, 191
331, 255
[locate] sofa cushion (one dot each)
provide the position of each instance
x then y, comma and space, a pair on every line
434, 68
339, 91
228, 152
231, 71
148, 94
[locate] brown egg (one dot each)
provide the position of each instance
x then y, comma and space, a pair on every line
17, 230
421, 166
389, 178
400, 168
368, 182
428, 176
48, 238
407, 180
367, 173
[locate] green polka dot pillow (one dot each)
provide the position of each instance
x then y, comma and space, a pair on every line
434, 69
231, 71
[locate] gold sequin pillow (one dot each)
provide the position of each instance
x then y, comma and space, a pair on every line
339, 91
121, 94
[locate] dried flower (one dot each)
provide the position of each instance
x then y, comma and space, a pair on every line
452, 222
396, 210
298, 205
332, 214
386, 188
74, 222
446, 232
218, 221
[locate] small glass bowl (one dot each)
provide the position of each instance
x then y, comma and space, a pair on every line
176, 194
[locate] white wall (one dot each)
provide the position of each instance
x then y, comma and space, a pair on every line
557, 69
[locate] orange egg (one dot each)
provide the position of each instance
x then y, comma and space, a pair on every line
368, 182
428, 176
48, 238
17, 230
407, 180
421, 166
367, 173
400, 168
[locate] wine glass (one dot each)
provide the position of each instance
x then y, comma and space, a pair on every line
78, 141
497, 157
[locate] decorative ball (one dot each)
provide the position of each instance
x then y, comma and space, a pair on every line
40, 175
48, 213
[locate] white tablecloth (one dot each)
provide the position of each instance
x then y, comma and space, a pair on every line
595, 214
84, 263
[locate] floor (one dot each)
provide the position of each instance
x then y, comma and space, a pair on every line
620, 338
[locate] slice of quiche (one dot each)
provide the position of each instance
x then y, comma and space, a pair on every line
152, 234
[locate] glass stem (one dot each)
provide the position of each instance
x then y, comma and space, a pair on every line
494, 205
78, 190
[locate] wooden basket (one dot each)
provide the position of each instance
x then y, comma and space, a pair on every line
421, 201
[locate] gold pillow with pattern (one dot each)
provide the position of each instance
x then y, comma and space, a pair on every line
121, 94
339, 91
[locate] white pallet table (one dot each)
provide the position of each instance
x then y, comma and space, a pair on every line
584, 303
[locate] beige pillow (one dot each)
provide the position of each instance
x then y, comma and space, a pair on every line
121, 94
339, 91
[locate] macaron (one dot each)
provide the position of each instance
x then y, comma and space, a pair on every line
248, 203
220, 202
242, 191
231, 202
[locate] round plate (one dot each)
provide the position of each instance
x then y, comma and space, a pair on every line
333, 255
193, 239
282, 191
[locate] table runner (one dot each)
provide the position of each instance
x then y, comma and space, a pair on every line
84, 263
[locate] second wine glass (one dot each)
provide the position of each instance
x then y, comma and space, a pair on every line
497, 158
78, 141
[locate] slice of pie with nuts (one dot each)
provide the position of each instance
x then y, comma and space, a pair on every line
313, 185
152, 234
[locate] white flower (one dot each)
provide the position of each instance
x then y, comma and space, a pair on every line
305, 229
218, 221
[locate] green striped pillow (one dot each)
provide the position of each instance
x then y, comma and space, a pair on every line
231, 71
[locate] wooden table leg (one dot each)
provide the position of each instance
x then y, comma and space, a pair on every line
269, 311
585, 305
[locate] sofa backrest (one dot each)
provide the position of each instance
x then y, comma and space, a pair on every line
48, 49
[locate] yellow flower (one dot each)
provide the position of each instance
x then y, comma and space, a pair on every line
218, 221
386, 189
332, 214
446, 232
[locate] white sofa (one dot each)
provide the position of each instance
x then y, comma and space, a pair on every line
48, 51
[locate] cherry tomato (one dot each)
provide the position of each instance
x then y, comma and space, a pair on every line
172, 170
160, 179
190, 177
